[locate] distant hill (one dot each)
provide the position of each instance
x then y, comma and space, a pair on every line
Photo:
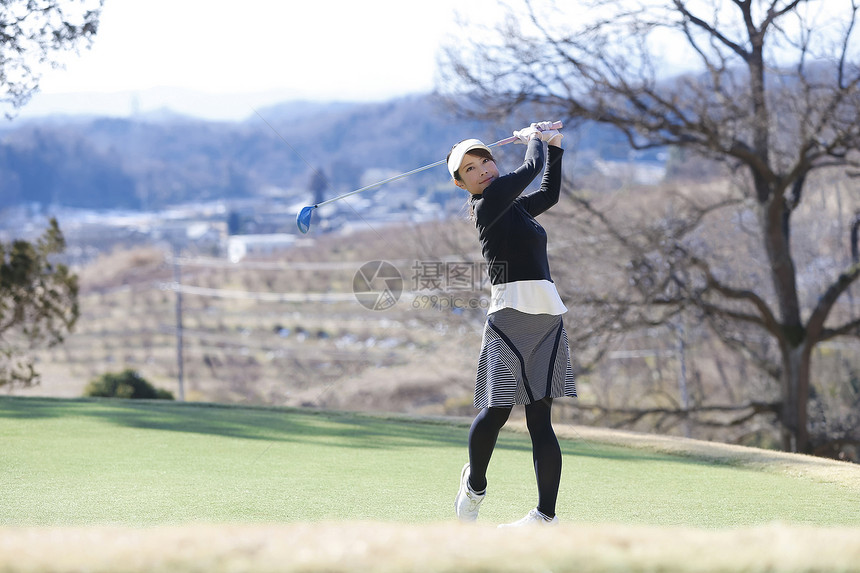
157, 160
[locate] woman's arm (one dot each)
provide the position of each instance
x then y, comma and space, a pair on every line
504, 190
550, 187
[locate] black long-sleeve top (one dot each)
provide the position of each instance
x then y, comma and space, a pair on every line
512, 241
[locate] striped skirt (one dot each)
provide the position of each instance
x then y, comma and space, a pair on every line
524, 358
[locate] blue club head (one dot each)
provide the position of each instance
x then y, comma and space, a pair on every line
303, 219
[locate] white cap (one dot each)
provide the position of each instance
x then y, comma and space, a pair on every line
459, 152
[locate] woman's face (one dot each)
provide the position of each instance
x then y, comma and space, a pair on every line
476, 173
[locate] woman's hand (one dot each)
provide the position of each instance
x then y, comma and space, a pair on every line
540, 130
526, 134
547, 133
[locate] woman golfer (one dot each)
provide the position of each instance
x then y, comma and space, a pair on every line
524, 356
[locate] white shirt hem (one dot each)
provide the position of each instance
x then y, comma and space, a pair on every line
531, 297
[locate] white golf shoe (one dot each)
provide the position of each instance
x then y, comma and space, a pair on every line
534, 518
467, 502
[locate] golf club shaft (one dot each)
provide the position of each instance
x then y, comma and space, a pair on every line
379, 183
507, 140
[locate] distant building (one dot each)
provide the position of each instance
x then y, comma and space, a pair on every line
240, 246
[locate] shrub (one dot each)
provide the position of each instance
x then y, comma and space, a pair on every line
126, 384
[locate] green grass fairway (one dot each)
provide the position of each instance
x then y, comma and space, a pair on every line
131, 463
161, 487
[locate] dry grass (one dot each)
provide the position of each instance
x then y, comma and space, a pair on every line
384, 547
824, 470
264, 352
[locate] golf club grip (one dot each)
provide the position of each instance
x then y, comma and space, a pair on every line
513, 138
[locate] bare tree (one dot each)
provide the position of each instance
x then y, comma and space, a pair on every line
770, 90
32, 32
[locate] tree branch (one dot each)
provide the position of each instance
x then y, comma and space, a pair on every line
815, 325
848, 329
765, 318
710, 30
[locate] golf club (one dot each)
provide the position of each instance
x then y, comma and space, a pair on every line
303, 219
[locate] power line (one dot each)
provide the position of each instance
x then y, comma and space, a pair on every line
269, 265
263, 296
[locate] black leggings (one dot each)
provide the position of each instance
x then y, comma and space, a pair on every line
545, 449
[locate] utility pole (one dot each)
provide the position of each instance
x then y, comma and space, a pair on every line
177, 282
682, 376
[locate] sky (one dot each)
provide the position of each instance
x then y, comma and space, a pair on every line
213, 56
220, 59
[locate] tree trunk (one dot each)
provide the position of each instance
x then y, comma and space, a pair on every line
776, 233
795, 398
793, 338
